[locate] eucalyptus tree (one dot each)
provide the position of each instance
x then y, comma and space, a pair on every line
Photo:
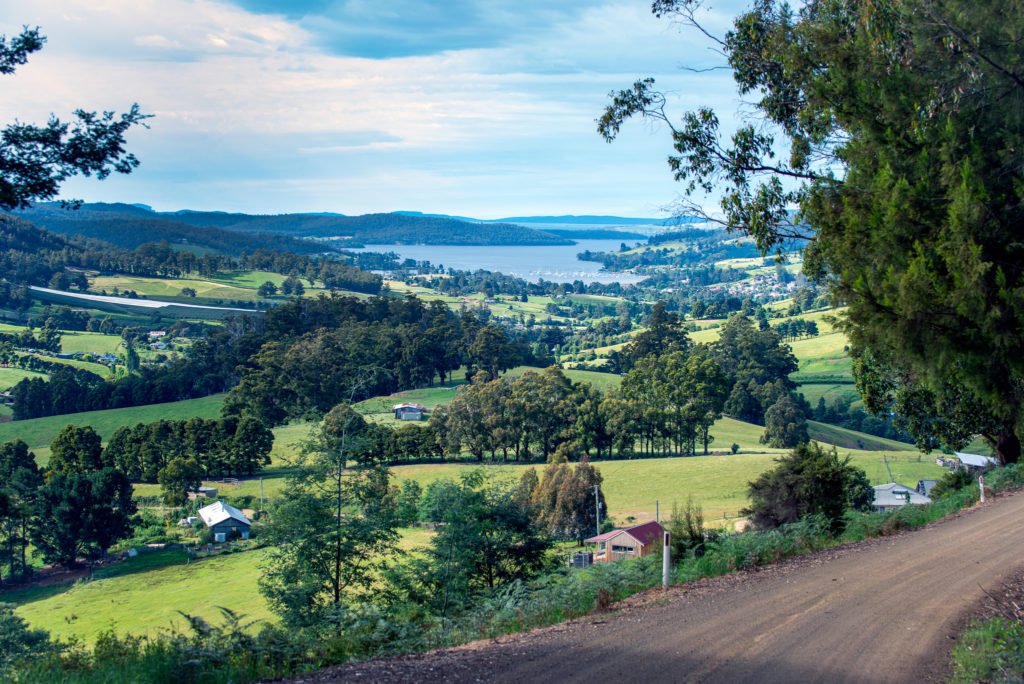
886, 142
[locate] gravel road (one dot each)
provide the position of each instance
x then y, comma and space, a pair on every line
885, 610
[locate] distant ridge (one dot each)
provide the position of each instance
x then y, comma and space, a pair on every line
570, 219
130, 225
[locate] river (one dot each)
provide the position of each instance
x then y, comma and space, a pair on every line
554, 263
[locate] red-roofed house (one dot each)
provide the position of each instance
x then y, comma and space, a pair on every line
631, 542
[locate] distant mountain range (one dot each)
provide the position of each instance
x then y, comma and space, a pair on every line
570, 219
130, 225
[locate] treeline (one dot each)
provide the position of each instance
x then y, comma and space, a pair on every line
75, 508
321, 351
669, 399
33, 256
377, 228
131, 227
795, 328
840, 411
217, 448
702, 247
301, 359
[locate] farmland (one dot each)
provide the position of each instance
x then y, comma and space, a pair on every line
39, 432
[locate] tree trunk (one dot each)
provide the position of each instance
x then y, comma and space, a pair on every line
1008, 446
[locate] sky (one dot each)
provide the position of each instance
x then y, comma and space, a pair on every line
481, 108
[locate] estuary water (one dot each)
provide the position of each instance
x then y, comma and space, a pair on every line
554, 263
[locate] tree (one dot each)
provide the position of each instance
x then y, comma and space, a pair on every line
82, 515
335, 531
266, 289
36, 160
76, 450
250, 446
807, 481
488, 539
19, 482
177, 478
908, 197
785, 424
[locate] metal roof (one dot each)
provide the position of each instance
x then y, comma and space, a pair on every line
644, 533
219, 512
976, 461
894, 494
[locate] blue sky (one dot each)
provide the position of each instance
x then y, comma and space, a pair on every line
480, 108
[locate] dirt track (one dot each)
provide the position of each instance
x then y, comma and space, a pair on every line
881, 611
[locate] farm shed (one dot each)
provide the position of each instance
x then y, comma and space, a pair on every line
409, 411
222, 518
204, 492
629, 542
976, 462
891, 496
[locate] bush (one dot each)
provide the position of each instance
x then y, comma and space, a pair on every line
807, 481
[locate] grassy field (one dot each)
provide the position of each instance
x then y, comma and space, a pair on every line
142, 595
9, 377
829, 391
90, 343
238, 285
822, 359
39, 432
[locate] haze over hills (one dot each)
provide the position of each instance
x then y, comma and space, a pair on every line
129, 225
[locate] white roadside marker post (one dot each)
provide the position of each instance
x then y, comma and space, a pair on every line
666, 552
981, 486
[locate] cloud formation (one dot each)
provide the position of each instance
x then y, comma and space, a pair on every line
473, 108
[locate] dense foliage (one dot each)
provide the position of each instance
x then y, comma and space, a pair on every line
908, 191
809, 480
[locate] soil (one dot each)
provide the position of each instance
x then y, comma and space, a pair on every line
883, 610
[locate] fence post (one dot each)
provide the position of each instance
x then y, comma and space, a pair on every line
981, 486
665, 557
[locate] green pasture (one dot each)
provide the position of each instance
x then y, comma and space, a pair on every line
822, 359
39, 432
829, 391
97, 368
89, 342
143, 595
9, 377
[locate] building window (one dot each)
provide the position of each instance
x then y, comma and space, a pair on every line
622, 549
219, 536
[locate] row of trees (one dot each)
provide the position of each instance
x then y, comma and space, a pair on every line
64, 515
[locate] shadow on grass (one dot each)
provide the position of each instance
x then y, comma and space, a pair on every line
141, 563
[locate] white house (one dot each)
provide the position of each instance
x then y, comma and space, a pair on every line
222, 518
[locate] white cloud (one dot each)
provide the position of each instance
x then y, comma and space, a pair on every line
508, 125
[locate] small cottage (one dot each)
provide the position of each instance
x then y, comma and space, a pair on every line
629, 542
891, 496
409, 411
222, 518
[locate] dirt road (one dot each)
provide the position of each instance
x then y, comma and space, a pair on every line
881, 611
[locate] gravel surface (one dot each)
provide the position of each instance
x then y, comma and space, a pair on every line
883, 610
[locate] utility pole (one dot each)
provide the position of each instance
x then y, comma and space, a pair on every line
657, 512
597, 508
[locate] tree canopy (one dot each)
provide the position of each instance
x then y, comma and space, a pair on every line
902, 181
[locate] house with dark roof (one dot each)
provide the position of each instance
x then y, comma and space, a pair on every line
409, 411
222, 519
629, 542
